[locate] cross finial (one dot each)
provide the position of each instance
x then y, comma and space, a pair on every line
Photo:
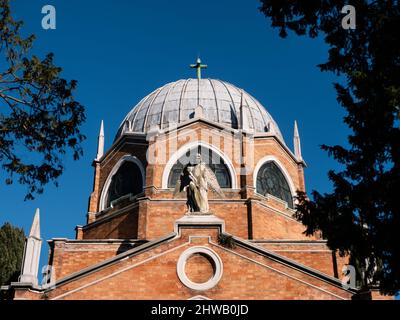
198, 66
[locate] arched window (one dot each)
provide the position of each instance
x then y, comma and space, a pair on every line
127, 180
270, 180
213, 160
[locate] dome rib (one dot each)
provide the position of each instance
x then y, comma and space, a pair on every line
266, 121
233, 101
146, 117
216, 100
139, 107
247, 104
177, 100
181, 100
165, 99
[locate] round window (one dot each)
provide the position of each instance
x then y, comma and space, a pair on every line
199, 268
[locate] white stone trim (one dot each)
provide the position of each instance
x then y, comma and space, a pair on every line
280, 166
113, 274
202, 220
182, 150
180, 268
114, 170
298, 250
281, 272
199, 297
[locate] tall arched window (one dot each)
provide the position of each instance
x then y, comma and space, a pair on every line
270, 180
213, 160
127, 180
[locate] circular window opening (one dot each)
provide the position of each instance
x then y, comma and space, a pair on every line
199, 268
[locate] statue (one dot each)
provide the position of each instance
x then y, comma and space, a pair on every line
196, 180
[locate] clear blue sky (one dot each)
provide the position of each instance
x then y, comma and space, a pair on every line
119, 51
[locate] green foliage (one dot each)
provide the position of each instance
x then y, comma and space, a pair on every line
38, 113
12, 241
226, 241
362, 214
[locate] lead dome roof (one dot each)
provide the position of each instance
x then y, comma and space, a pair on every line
175, 103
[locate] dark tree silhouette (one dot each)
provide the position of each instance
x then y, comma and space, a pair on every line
39, 118
361, 216
12, 242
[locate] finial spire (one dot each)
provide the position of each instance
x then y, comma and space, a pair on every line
35, 228
100, 144
198, 66
296, 142
33, 244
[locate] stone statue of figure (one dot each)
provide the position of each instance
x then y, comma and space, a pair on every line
196, 180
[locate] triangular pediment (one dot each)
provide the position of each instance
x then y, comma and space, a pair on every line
151, 269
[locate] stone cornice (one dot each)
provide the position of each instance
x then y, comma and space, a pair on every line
291, 263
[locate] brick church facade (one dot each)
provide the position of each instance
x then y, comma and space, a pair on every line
139, 241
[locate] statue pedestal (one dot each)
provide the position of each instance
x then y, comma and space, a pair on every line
198, 213
199, 220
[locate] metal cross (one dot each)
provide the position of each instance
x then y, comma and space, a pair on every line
198, 66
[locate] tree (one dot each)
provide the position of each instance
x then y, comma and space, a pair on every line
361, 216
39, 118
12, 241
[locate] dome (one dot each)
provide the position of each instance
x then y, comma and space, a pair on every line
175, 103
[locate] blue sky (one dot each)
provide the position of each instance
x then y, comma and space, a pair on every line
119, 51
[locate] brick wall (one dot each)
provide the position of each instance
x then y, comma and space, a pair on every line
199, 268
157, 217
271, 224
114, 226
152, 275
313, 254
71, 256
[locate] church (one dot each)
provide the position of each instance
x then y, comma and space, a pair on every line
141, 241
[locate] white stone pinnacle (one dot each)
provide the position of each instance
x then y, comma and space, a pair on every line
296, 142
35, 228
100, 144
33, 244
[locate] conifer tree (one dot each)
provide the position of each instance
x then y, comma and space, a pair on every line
361, 216
12, 241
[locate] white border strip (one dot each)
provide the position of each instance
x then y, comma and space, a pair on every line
114, 170
182, 150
